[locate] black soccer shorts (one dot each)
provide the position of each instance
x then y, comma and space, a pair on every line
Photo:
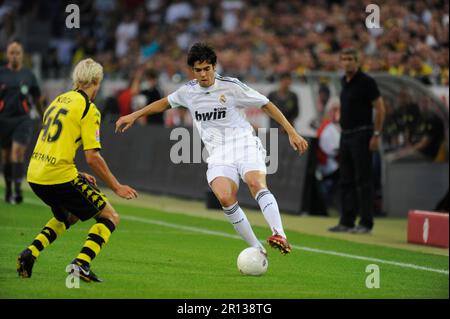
78, 197
18, 129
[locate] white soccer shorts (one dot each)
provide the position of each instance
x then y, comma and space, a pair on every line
236, 161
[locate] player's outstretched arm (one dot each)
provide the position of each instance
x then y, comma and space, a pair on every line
298, 143
99, 166
127, 121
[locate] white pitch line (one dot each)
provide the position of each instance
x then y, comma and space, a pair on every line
371, 259
309, 249
313, 250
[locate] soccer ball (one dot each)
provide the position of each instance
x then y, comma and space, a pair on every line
251, 261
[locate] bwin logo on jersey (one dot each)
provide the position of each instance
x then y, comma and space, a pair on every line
219, 113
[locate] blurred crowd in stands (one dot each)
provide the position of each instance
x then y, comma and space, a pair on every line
146, 41
255, 39
413, 131
143, 41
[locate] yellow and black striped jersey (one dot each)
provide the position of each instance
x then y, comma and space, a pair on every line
70, 120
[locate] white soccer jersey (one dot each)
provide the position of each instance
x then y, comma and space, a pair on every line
217, 110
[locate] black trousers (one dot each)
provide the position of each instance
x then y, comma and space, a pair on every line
356, 180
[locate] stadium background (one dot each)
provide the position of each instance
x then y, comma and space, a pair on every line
256, 41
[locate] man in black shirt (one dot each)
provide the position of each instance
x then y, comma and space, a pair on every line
18, 88
286, 100
152, 93
360, 137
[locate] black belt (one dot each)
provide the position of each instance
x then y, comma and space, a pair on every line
358, 129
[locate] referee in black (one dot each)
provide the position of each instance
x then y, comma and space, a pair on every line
360, 137
18, 92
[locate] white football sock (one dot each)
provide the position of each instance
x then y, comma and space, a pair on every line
269, 208
237, 217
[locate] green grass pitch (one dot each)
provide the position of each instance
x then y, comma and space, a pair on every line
154, 254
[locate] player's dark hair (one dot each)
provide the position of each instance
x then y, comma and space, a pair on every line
201, 52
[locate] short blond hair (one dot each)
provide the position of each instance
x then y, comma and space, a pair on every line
86, 73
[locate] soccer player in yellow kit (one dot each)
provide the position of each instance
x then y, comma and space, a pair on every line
72, 120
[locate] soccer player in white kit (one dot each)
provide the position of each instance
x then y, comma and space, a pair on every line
234, 151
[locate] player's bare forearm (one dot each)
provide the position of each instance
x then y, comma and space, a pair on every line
127, 121
298, 143
99, 166
101, 169
154, 108
275, 113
